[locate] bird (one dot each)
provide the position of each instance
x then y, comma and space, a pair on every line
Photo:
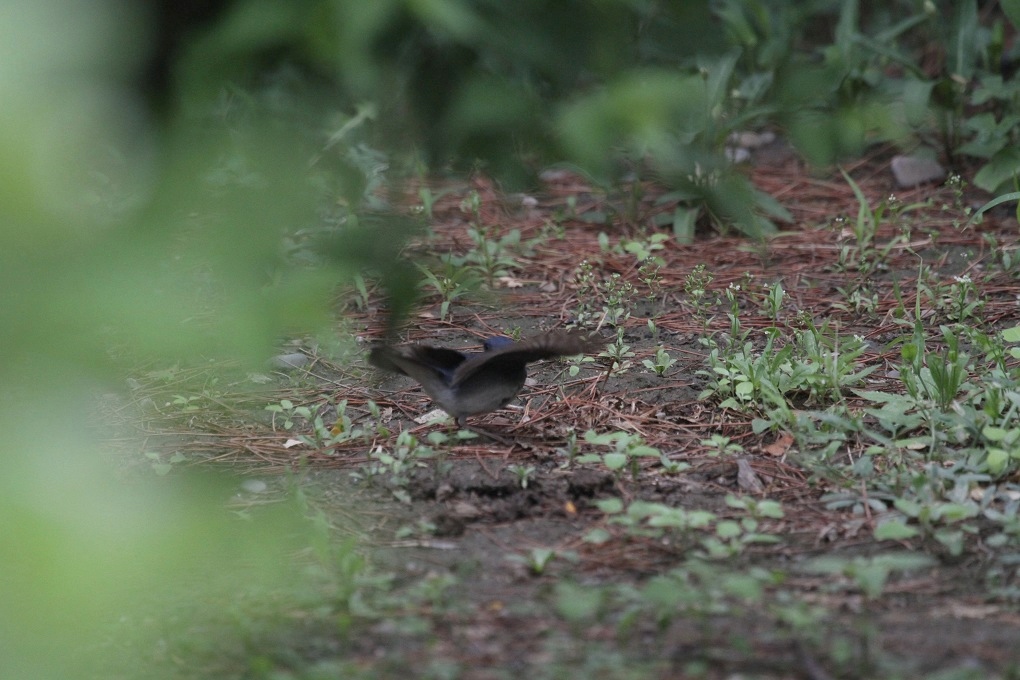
466, 384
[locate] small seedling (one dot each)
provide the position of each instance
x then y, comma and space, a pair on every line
523, 473
654, 330
869, 573
965, 303
662, 362
616, 294
718, 445
649, 274
571, 449
290, 412
627, 449
696, 288
163, 466
774, 301
672, 467
398, 463
186, 404
620, 352
537, 560
454, 283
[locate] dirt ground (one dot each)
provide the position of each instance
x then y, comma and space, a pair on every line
591, 611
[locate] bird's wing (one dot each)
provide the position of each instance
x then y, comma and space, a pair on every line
420, 362
545, 346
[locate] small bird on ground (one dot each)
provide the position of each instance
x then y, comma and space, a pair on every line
465, 384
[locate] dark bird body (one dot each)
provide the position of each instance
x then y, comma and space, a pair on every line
465, 384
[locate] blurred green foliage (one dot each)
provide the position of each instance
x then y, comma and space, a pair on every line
228, 220
649, 87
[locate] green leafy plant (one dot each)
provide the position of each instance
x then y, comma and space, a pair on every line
187, 403
619, 352
661, 363
643, 518
289, 412
642, 250
816, 367
935, 377
626, 450
731, 537
860, 299
869, 574
942, 520
963, 302
649, 274
696, 289
361, 297
537, 560
523, 473
162, 464
718, 445
428, 200
489, 256
869, 256
587, 285
323, 436
421, 528
396, 465
653, 328
1005, 257
716, 538
672, 467
455, 282
570, 449
774, 301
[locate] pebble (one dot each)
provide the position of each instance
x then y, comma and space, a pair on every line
295, 360
254, 486
910, 171
752, 140
737, 154
741, 144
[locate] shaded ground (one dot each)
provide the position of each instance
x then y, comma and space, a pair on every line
496, 578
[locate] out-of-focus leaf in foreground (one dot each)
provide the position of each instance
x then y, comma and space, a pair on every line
115, 240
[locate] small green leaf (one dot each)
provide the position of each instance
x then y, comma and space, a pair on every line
578, 603
908, 508
954, 512
614, 461
894, 530
541, 556
742, 586
610, 506
994, 434
728, 529
744, 390
997, 460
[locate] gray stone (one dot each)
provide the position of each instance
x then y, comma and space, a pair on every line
254, 486
294, 360
911, 171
